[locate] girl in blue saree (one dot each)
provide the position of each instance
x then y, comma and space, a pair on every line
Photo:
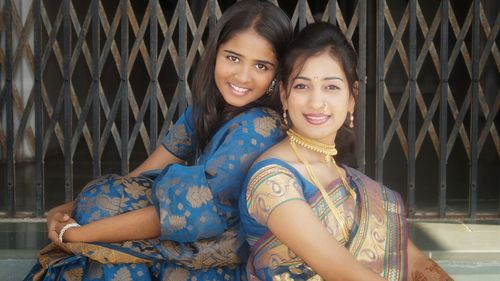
306, 217
171, 221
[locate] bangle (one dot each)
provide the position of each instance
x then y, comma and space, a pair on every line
66, 227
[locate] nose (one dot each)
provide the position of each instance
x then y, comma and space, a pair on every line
316, 99
243, 74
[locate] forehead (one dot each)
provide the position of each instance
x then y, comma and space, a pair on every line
321, 65
251, 45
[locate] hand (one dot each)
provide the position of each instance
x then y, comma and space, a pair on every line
70, 233
53, 219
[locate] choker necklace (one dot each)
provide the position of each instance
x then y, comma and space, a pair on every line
329, 151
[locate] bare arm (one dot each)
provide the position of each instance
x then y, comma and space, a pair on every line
157, 160
61, 214
295, 224
422, 268
134, 225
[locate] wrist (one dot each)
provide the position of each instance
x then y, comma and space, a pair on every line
69, 233
73, 235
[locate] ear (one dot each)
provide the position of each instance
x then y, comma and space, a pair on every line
353, 97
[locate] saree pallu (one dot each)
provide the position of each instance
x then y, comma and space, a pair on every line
378, 232
197, 205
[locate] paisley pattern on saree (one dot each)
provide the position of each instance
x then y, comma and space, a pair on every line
181, 138
377, 224
270, 187
206, 194
201, 238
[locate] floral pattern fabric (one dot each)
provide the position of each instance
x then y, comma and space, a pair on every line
201, 238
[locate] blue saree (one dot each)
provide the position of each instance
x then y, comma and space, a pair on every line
197, 205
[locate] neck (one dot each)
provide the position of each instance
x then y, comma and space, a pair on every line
327, 151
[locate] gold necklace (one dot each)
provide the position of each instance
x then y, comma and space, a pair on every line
314, 179
328, 150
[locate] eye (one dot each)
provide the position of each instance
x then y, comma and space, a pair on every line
299, 86
332, 87
261, 66
233, 58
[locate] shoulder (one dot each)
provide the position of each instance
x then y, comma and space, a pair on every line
269, 185
260, 112
269, 172
259, 121
280, 150
258, 117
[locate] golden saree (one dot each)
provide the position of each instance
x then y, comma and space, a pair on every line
376, 222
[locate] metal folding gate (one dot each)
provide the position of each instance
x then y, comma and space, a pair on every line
92, 80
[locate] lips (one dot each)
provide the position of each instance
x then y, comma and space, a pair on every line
316, 119
239, 91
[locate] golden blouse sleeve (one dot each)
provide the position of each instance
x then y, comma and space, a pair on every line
268, 188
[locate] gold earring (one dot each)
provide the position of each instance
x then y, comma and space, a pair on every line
285, 119
271, 87
351, 119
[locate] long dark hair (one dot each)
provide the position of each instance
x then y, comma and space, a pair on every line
313, 40
265, 19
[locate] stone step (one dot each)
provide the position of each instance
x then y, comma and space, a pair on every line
467, 250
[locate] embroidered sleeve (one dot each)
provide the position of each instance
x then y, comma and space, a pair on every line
181, 138
201, 201
268, 188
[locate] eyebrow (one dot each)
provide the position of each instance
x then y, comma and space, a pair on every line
326, 78
258, 61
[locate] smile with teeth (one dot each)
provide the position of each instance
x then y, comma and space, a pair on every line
238, 90
316, 119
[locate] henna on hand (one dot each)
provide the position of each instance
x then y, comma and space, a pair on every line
429, 270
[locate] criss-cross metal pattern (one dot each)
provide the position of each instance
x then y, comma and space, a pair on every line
411, 99
115, 38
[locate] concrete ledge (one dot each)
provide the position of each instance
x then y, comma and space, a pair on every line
15, 264
467, 250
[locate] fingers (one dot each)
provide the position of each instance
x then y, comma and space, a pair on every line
65, 218
54, 237
55, 223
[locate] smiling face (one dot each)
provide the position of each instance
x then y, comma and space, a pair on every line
244, 68
319, 98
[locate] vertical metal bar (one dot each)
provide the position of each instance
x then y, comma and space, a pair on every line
182, 54
474, 124
153, 102
361, 101
212, 18
96, 104
379, 103
443, 108
412, 108
332, 10
9, 92
68, 165
124, 86
39, 171
302, 14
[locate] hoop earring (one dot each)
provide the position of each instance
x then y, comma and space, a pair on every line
351, 120
285, 118
271, 87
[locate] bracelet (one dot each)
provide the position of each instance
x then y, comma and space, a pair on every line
66, 227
